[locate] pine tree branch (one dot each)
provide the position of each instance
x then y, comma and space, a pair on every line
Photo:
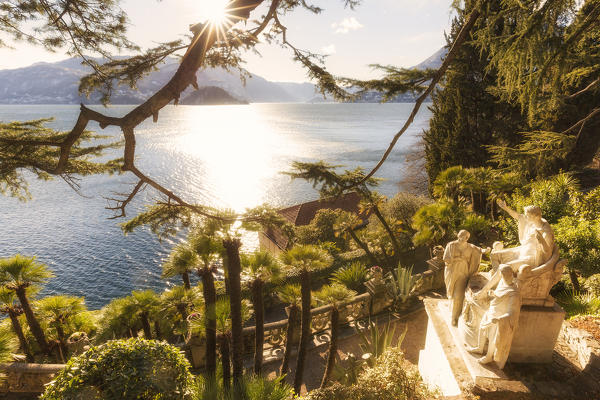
460, 39
588, 87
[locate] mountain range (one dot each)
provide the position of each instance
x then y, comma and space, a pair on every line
57, 83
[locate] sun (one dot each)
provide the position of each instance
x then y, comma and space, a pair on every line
213, 11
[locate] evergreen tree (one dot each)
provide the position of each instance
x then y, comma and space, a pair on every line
466, 115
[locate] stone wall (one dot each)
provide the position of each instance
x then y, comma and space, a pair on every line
27, 378
586, 348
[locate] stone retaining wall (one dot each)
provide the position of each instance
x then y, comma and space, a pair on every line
27, 378
584, 346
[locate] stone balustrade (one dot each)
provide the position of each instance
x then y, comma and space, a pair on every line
31, 378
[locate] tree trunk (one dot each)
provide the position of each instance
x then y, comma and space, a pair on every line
574, 281
288, 339
34, 325
335, 321
157, 331
232, 247
62, 342
259, 331
182, 309
210, 298
305, 282
19, 332
363, 246
387, 228
146, 325
186, 280
225, 360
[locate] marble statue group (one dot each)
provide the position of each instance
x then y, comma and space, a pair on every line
486, 306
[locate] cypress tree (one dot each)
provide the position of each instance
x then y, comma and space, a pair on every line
467, 116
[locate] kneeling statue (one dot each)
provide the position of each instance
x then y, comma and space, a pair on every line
500, 320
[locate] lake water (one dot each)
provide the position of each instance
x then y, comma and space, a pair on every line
224, 156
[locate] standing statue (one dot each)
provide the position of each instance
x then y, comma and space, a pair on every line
500, 320
535, 236
462, 261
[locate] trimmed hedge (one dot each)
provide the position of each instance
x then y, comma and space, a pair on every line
124, 369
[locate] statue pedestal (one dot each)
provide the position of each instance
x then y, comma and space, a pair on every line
445, 362
536, 334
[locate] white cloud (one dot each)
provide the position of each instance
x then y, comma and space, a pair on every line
346, 25
328, 50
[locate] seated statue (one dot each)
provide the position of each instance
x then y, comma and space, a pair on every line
535, 237
462, 261
499, 322
537, 247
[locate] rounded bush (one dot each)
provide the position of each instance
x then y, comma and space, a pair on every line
124, 369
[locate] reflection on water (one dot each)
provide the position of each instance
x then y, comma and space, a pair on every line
223, 156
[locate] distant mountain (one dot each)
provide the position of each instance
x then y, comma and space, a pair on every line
57, 83
210, 95
434, 61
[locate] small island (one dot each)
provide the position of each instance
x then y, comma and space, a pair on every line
212, 96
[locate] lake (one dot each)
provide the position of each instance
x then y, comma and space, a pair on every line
223, 156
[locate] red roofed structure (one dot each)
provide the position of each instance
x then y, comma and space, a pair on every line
274, 240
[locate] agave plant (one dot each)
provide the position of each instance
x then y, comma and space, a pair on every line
374, 341
400, 286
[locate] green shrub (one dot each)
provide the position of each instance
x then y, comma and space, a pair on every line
592, 285
437, 223
124, 369
352, 276
389, 378
551, 195
321, 230
251, 388
579, 242
578, 303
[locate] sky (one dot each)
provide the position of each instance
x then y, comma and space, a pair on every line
395, 32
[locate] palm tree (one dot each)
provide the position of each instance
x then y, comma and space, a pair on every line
116, 321
260, 267
142, 304
223, 315
9, 307
234, 268
17, 274
335, 294
179, 300
58, 311
208, 247
7, 345
289, 294
303, 260
182, 260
